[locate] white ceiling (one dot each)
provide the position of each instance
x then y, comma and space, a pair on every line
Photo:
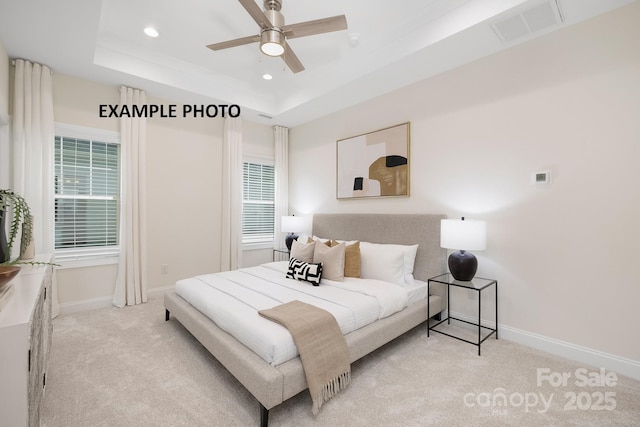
400, 42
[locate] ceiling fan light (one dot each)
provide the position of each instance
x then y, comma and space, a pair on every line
272, 42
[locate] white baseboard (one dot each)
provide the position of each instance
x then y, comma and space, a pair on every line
162, 290
102, 302
595, 358
85, 305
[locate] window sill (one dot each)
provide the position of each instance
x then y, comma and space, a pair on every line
86, 262
257, 246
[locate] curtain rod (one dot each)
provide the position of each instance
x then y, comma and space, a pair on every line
13, 62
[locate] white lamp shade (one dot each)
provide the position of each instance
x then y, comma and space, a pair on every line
293, 224
467, 234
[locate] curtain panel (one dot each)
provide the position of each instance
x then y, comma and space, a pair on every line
131, 282
32, 147
231, 237
281, 139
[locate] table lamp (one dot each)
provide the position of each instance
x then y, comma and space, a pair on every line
292, 225
463, 235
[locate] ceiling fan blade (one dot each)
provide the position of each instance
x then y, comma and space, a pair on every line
317, 26
234, 43
291, 59
256, 13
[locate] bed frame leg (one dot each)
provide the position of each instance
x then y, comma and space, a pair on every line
264, 416
166, 315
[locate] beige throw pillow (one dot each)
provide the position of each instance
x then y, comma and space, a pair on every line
352, 259
332, 259
302, 251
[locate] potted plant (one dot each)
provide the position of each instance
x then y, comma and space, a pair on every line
21, 224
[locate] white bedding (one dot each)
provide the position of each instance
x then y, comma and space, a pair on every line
416, 291
232, 300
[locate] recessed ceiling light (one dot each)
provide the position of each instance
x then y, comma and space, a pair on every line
267, 76
151, 32
354, 39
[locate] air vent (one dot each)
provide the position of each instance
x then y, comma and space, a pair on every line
265, 116
527, 21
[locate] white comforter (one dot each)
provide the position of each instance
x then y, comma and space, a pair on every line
232, 300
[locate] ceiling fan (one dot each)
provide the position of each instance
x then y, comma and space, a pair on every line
274, 34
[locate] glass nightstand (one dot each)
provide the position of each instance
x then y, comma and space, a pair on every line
280, 254
478, 284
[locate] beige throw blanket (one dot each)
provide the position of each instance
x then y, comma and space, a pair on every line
322, 347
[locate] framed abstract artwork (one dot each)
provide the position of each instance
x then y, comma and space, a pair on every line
374, 164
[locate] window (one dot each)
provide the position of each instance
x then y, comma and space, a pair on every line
258, 202
87, 189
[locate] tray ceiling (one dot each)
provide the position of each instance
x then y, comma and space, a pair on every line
398, 43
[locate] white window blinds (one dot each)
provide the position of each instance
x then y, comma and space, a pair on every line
87, 189
258, 202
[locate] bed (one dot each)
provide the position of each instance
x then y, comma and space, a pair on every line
273, 383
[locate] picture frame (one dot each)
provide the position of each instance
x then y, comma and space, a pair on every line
374, 164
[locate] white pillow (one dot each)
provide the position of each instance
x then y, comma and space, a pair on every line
302, 251
410, 252
384, 257
303, 238
378, 262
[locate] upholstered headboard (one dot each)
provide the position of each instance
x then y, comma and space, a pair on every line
404, 229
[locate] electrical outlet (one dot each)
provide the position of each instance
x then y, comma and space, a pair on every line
164, 269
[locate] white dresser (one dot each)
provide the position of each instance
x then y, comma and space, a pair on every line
25, 339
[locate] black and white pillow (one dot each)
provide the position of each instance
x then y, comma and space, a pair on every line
306, 271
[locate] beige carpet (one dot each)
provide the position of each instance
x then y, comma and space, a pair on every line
128, 367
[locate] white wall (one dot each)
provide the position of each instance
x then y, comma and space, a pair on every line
4, 81
568, 102
4, 117
183, 191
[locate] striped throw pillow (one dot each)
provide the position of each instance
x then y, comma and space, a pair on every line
305, 271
